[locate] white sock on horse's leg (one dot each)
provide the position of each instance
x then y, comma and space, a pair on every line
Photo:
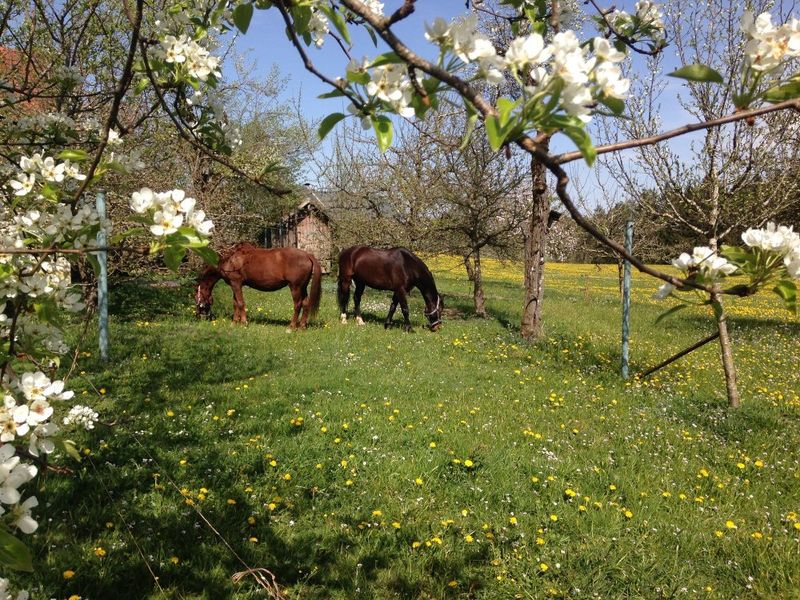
343, 318
359, 320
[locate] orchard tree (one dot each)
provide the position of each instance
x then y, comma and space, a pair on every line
53, 159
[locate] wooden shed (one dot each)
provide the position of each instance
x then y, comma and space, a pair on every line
307, 227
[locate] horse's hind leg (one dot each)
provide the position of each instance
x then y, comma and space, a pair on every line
239, 311
357, 301
392, 308
403, 299
343, 296
304, 303
298, 297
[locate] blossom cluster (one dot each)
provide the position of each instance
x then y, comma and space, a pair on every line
647, 19
562, 67
169, 211
25, 411
703, 261
779, 241
81, 415
7, 594
182, 50
46, 169
767, 45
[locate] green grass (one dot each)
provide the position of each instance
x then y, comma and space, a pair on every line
354, 462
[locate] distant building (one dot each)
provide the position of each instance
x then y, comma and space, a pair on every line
307, 227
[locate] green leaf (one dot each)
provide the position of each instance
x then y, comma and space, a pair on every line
173, 255
242, 15
471, 121
92, 258
504, 108
388, 58
615, 105
13, 553
383, 131
329, 123
360, 77
670, 312
338, 21
787, 289
698, 72
336, 93
494, 132
73, 155
116, 239
68, 447
207, 254
782, 92
47, 310
742, 258
584, 143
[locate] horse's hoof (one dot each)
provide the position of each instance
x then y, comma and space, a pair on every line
359, 320
387, 325
343, 319
289, 330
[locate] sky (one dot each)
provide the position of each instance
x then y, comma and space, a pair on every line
266, 44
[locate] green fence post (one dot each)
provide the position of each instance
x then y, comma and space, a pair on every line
626, 298
102, 280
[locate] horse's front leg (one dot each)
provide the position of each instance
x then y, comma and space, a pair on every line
239, 311
403, 299
297, 298
392, 308
357, 301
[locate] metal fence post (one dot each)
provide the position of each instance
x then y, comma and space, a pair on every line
102, 280
626, 298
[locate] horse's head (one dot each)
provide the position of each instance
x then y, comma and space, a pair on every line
202, 301
434, 314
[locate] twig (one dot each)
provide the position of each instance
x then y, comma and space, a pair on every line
660, 137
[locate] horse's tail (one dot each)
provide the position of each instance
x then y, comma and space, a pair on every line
315, 294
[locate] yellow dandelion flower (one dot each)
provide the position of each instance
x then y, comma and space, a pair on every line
396, 524
452, 584
543, 567
174, 560
68, 574
231, 501
469, 539
419, 481
99, 551
287, 476
513, 520
469, 464
730, 525
554, 518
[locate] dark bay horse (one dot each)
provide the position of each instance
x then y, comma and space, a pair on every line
398, 270
264, 269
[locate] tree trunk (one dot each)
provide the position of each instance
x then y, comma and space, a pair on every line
726, 350
477, 286
468, 267
531, 326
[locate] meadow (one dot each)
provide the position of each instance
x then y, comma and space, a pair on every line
356, 462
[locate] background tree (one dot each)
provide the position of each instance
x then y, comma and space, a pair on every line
726, 179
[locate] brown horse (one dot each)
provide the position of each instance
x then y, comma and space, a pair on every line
264, 269
398, 270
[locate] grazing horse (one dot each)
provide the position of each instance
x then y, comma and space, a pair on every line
398, 270
264, 269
